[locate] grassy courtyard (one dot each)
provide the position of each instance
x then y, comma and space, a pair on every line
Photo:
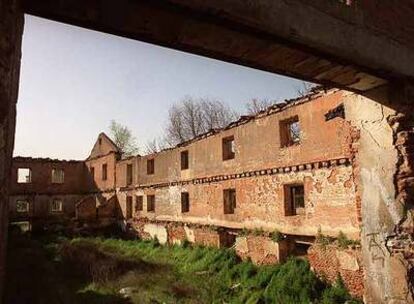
94, 270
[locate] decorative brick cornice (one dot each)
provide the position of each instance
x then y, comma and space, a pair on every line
253, 173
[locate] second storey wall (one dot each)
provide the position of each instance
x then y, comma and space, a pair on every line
41, 176
257, 146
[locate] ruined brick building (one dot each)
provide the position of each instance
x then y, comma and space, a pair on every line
366, 47
265, 184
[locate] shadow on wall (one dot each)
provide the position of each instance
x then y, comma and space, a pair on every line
97, 209
81, 200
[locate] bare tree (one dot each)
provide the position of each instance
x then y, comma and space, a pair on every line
123, 138
256, 105
192, 117
155, 145
304, 89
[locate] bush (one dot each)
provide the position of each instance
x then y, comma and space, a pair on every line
244, 232
293, 283
322, 239
276, 236
337, 294
344, 242
258, 232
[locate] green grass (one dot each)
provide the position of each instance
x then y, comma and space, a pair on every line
93, 270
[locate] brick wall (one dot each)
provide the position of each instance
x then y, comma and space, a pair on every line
41, 176
205, 154
86, 209
11, 31
97, 182
330, 261
329, 201
41, 191
321, 162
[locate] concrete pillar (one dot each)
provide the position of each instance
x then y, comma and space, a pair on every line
11, 31
383, 169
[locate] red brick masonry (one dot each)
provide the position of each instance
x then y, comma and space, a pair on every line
330, 261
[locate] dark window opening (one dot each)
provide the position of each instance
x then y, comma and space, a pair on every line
22, 206
185, 202
294, 200
100, 141
227, 239
184, 160
339, 111
139, 203
56, 205
229, 196
24, 175
128, 207
228, 147
301, 249
92, 172
150, 203
104, 172
129, 174
58, 176
150, 166
290, 132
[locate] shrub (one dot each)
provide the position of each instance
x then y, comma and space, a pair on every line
322, 239
276, 236
344, 242
337, 293
186, 243
293, 283
258, 232
244, 232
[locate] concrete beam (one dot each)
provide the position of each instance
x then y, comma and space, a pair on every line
297, 38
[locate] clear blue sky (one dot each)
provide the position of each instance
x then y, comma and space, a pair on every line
74, 81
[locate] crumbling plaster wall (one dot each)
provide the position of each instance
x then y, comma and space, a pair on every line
329, 201
11, 31
377, 166
321, 161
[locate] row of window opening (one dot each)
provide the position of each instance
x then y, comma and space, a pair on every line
55, 206
294, 201
24, 176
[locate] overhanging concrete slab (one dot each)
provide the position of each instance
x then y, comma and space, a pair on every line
297, 38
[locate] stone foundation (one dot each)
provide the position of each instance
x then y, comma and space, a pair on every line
261, 249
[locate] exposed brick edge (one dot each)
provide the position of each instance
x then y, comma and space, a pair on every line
62, 193
44, 160
315, 93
